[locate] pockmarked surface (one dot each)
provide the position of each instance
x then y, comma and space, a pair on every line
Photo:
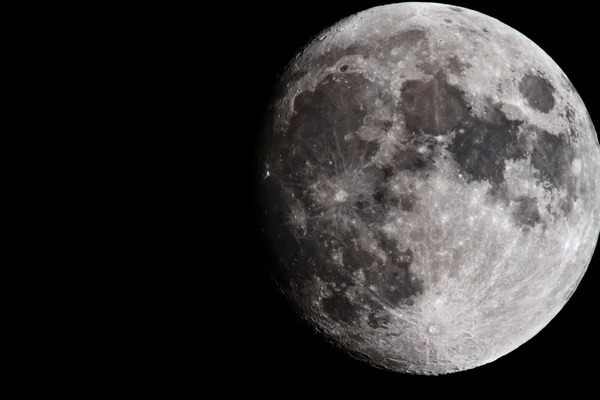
430, 184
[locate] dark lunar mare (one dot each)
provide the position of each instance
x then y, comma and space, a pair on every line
538, 92
481, 144
527, 214
432, 107
322, 133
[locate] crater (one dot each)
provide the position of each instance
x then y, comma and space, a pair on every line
341, 196
434, 329
538, 92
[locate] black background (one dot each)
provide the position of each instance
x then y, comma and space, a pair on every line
270, 346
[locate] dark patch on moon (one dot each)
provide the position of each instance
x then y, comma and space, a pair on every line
326, 120
344, 68
538, 92
527, 213
373, 207
456, 66
456, 9
388, 282
433, 107
302, 255
567, 204
407, 39
340, 308
481, 146
371, 211
392, 279
408, 201
410, 160
397, 46
302, 101
552, 157
378, 320
383, 196
309, 255
388, 171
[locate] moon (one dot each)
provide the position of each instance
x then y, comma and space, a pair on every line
430, 186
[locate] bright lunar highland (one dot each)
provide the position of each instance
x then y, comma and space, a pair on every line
430, 187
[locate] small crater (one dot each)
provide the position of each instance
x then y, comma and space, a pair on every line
486, 30
434, 329
344, 68
448, 20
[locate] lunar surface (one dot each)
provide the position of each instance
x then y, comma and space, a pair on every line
430, 187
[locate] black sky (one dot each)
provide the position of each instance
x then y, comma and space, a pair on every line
274, 348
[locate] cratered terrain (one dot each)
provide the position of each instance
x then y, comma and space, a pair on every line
430, 186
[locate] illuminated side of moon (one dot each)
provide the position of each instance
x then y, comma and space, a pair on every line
430, 187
